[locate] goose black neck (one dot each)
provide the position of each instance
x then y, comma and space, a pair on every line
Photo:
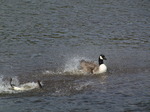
100, 61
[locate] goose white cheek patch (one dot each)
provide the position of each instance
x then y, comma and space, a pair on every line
101, 57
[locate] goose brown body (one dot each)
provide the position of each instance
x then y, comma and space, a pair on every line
88, 66
91, 67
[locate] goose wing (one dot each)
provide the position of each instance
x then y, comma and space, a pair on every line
87, 64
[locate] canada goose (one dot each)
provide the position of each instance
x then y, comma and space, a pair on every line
90, 67
24, 87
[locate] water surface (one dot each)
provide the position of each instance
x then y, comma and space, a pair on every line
45, 40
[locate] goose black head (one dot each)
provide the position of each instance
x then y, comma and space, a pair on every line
101, 58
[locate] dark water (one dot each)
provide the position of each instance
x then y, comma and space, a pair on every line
45, 40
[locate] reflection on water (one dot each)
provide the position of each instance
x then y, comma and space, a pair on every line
45, 40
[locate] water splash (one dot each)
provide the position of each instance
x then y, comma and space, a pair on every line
5, 87
72, 65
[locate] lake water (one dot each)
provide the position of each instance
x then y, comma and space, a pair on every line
45, 40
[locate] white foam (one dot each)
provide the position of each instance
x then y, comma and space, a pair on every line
28, 86
47, 72
5, 87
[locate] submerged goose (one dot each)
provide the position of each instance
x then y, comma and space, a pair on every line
25, 87
90, 67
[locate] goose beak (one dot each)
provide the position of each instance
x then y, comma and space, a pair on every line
105, 58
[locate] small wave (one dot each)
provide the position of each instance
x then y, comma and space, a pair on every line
72, 88
83, 85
